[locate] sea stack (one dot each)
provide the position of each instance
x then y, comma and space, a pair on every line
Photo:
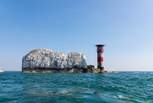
47, 60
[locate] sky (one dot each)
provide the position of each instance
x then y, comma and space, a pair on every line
124, 26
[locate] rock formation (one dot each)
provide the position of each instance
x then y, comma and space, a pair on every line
47, 59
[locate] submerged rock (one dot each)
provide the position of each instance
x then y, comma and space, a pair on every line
47, 58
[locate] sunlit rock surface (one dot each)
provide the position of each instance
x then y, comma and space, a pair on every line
47, 58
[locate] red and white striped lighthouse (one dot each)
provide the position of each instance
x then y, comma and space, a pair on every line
100, 57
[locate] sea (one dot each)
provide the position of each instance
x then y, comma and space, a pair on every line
114, 87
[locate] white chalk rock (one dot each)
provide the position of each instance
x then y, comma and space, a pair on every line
47, 58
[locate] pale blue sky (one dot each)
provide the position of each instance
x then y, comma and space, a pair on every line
125, 26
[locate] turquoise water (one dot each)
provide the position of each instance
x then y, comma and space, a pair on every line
124, 87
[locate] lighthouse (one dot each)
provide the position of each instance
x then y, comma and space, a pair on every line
100, 56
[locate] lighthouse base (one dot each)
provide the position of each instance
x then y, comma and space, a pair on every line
101, 69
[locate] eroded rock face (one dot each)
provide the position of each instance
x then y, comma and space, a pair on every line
47, 58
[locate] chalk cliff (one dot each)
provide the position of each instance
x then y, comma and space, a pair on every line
47, 58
